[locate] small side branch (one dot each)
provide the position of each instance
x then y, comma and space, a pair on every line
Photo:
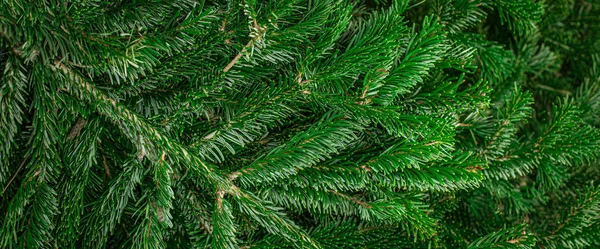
15, 175
237, 57
352, 199
261, 31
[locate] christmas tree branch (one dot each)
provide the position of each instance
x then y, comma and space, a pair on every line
84, 90
259, 32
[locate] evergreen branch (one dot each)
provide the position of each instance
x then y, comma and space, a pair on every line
14, 175
156, 214
394, 119
12, 102
107, 211
584, 213
567, 136
333, 21
36, 199
494, 62
515, 237
423, 50
520, 15
322, 202
374, 45
460, 15
460, 173
273, 220
106, 167
348, 233
194, 211
511, 167
261, 111
285, 43
410, 209
238, 56
588, 99
331, 202
76, 129
79, 163
223, 234
327, 137
408, 154
369, 134
516, 109
255, 37
144, 136
435, 179
109, 107
450, 95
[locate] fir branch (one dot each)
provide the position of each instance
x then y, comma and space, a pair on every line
412, 154
305, 149
514, 237
36, 199
223, 234
460, 173
583, 214
256, 36
194, 213
80, 161
272, 219
423, 49
76, 129
14, 175
12, 102
143, 133
516, 109
107, 211
156, 211
520, 15
259, 112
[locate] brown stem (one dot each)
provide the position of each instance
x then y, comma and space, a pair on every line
14, 176
235, 59
357, 201
249, 44
106, 168
76, 129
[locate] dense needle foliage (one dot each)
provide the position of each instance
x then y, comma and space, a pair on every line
300, 124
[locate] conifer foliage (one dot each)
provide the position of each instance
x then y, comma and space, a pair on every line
300, 124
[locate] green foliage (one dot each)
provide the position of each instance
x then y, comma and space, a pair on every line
505, 238
300, 124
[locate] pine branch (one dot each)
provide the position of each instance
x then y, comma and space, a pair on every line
514, 237
583, 214
156, 211
107, 210
142, 134
223, 235
73, 188
516, 109
12, 102
423, 50
520, 15
36, 200
273, 220
327, 137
